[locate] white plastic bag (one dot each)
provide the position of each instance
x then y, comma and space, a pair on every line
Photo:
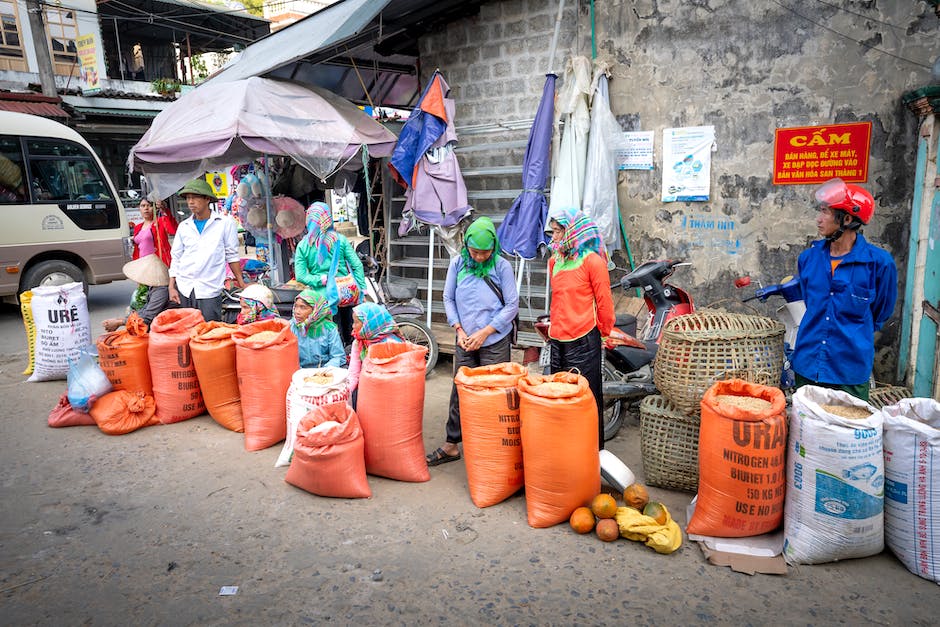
303, 395
912, 486
87, 382
835, 480
63, 328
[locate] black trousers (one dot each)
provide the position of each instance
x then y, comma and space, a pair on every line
211, 308
584, 355
343, 320
496, 353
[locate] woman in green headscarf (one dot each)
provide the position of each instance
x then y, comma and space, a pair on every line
317, 336
481, 301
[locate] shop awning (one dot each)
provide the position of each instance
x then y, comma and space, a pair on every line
44, 109
363, 50
327, 27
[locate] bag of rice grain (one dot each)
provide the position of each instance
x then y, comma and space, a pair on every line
742, 453
912, 486
266, 357
309, 388
835, 478
62, 328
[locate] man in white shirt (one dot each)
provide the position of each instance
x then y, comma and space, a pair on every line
204, 244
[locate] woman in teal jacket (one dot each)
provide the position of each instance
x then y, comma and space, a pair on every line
314, 257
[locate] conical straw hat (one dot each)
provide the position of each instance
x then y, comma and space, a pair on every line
149, 270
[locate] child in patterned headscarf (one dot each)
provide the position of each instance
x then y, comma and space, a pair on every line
314, 257
257, 303
582, 307
317, 336
372, 324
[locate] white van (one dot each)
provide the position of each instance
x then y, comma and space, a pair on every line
61, 218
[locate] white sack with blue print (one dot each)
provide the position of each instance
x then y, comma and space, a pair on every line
912, 484
834, 507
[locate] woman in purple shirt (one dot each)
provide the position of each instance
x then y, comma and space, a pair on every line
481, 301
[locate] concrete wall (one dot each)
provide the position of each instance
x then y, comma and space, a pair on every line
744, 66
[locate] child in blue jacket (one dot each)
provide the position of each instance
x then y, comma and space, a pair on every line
317, 335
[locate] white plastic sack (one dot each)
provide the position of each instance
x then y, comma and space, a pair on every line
303, 395
571, 156
63, 329
912, 485
835, 480
87, 382
600, 175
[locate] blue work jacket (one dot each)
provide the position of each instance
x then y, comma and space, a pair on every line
836, 340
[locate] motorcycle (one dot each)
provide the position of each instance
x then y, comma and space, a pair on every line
790, 314
627, 367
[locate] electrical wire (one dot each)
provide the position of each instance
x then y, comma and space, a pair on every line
867, 17
852, 39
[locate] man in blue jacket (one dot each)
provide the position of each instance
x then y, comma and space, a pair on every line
850, 288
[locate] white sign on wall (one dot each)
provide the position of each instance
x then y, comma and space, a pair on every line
635, 151
687, 163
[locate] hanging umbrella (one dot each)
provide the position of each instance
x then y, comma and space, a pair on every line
600, 173
523, 229
425, 164
568, 182
218, 124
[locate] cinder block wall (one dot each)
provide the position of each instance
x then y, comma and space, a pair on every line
746, 67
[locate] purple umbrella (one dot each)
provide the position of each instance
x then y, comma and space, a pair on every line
522, 231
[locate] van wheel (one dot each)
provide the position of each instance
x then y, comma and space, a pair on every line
53, 273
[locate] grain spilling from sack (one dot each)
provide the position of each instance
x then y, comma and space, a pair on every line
220, 332
744, 402
264, 336
557, 388
847, 411
318, 378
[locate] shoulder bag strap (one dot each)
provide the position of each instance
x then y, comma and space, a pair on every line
492, 285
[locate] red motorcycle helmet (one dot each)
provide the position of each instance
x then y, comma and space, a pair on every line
852, 199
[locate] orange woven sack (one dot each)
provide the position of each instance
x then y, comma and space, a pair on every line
117, 413
328, 455
175, 385
558, 417
122, 356
742, 460
213, 351
391, 411
266, 357
489, 422
63, 415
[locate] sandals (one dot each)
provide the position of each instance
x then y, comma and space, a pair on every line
440, 456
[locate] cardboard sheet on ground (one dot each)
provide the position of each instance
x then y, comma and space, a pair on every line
756, 554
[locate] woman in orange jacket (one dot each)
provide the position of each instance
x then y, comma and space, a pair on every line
582, 308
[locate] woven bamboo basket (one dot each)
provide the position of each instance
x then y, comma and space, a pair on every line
668, 444
885, 395
700, 348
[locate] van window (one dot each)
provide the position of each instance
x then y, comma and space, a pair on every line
12, 189
65, 173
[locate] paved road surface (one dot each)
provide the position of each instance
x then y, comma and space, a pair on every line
144, 529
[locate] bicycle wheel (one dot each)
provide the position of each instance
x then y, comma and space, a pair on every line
418, 333
613, 407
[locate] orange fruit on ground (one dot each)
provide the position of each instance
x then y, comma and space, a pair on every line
582, 520
607, 529
604, 505
636, 496
656, 511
